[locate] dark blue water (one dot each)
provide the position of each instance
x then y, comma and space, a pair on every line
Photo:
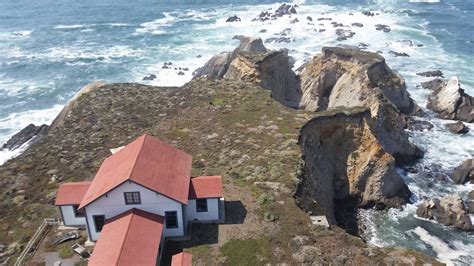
50, 49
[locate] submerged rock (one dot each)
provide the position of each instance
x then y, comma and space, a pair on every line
384, 28
432, 73
399, 54
464, 172
457, 127
346, 161
448, 211
451, 102
26, 134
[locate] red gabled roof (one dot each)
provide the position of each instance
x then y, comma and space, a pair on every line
182, 259
148, 162
71, 193
206, 187
131, 238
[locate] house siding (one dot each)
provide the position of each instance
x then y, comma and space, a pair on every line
69, 217
113, 204
211, 214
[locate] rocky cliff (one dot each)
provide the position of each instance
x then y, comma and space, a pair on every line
345, 162
231, 128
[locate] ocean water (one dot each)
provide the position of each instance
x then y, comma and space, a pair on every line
50, 49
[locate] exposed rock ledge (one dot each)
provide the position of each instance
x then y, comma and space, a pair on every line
346, 162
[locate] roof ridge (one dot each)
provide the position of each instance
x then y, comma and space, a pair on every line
132, 212
134, 163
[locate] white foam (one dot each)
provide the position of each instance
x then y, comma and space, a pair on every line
67, 27
425, 1
156, 27
443, 251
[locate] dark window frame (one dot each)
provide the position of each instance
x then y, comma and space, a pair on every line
175, 213
135, 198
201, 205
77, 213
94, 217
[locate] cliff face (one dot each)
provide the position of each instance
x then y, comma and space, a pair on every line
270, 70
345, 162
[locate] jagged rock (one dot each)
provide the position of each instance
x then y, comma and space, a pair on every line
309, 18
353, 78
418, 125
346, 161
432, 73
398, 54
344, 34
464, 172
217, 66
152, 76
368, 13
381, 27
457, 128
285, 9
26, 134
470, 202
451, 102
271, 71
234, 18
278, 40
347, 77
447, 210
357, 24
432, 84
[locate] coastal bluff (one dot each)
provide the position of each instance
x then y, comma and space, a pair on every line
233, 127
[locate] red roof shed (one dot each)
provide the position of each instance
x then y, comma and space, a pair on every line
71, 193
206, 187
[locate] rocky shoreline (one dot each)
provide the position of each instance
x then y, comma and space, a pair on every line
347, 113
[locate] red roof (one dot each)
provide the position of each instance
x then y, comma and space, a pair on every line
206, 187
182, 259
148, 162
71, 193
131, 238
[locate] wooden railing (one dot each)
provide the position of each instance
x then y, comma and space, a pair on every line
39, 232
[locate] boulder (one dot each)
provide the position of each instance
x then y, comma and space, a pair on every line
448, 210
432, 84
431, 73
234, 18
217, 66
464, 172
399, 54
418, 125
345, 161
25, 135
381, 27
470, 202
457, 128
451, 102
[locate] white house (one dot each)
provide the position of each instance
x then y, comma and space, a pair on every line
146, 184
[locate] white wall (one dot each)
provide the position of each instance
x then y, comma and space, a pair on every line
211, 214
114, 204
69, 217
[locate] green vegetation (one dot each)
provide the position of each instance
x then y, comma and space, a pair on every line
65, 251
246, 252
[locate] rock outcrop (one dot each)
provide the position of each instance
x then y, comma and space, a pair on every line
346, 161
270, 70
448, 211
451, 102
25, 135
217, 66
457, 128
353, 78
464, 172
252, 62
350, 77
